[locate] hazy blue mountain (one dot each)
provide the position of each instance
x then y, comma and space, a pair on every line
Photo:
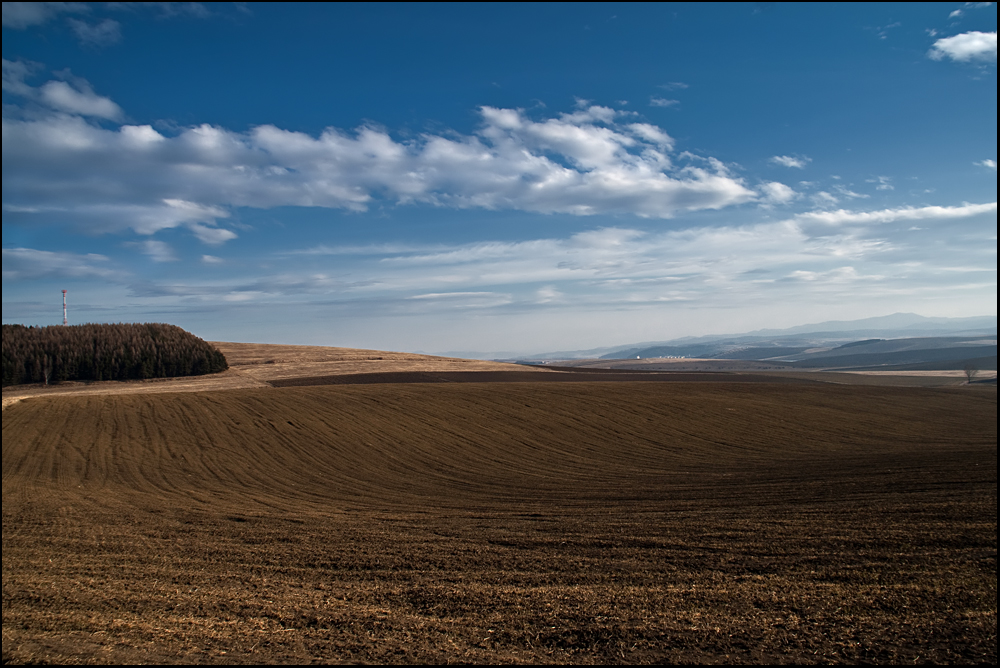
792, 342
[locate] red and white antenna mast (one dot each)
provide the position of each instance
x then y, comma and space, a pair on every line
64, 308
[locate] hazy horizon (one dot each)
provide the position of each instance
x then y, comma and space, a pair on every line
486, 177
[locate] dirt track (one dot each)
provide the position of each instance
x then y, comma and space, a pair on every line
570, 522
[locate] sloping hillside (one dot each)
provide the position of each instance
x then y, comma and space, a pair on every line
514, 522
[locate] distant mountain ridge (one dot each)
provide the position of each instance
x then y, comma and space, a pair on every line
896, 321
868, 336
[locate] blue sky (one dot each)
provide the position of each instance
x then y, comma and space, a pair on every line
497, 178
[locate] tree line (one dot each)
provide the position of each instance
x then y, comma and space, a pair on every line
104, 352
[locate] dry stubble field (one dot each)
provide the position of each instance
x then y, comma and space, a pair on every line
503, 522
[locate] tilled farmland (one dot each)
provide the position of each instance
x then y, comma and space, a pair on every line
583, 522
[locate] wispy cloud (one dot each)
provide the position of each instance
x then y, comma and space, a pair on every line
104, 33
99, 32
882, 182
662, 102
30, 263
465, 300
883, 31
844, 216
158, 251
988, 164
615, 265
22, 15
844, 191
823, 199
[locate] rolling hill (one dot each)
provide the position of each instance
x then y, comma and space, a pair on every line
583, 522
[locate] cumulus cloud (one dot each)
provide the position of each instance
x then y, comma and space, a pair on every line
988, 164
589, 161
967, 47
791, 161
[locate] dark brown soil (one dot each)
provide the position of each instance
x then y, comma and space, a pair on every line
512, 522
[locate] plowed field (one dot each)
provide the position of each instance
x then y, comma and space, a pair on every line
503, 522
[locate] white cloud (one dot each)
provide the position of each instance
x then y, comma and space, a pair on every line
778, 193
211, 259
653, 134
60, 95
845, 217
211, 235
74, 96
988, 164
582, 163
790, 161
966, 47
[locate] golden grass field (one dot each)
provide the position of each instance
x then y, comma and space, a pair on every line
497, 522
